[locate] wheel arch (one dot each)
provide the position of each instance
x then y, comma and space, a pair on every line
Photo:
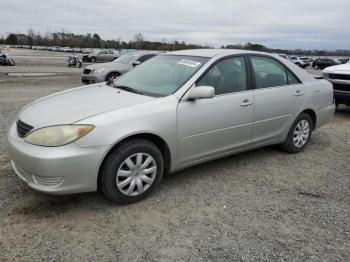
313, 116
157, 140
112, 72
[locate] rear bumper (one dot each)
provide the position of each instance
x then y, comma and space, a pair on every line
55, 170
324, 115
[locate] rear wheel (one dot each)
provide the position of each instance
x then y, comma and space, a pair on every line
299, 134
131, 172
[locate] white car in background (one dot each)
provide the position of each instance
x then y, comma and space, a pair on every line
296, 60
339, 76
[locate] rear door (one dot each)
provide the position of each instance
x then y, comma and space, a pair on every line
103, 56
278, 96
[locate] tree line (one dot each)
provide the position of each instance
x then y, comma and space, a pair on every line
89, 40
64, 39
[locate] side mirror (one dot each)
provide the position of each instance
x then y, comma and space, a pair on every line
136, 63
201, 92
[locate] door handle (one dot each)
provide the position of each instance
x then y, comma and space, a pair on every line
246, 102
298, 93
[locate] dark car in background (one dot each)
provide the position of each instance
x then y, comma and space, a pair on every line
322, 63
344, 60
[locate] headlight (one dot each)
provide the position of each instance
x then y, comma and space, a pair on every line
99, 70
57, 135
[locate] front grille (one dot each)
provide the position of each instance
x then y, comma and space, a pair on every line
340, 87
87, 71
23, 129
339, 76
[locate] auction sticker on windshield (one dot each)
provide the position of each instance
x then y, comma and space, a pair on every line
188, 62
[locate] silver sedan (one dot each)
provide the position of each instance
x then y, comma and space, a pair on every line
110, 71
176, 110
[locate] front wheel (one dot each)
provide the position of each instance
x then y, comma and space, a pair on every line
112, 76
131, 172
93, 59
299, 134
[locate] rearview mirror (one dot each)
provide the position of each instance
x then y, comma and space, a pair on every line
201, 92
136, 63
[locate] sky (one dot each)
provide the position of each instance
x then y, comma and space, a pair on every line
307, 24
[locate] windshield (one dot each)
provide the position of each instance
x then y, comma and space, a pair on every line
161, 75
127, 58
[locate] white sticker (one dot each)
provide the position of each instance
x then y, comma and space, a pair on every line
188, 62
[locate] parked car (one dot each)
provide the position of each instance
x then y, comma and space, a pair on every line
296, 60
77, 50
343, 60
55, 48
100, 56
322, 63
109, 71
176, 110
306, 60
67, 49
339, 76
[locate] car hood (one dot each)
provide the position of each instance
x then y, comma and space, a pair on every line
77, 104
111, 65
339, 69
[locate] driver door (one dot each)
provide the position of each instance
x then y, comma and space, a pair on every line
221, 124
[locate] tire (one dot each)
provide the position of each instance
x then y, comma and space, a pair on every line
93, 59
336, 104
112, 76
316, 67
116, 177
292, 144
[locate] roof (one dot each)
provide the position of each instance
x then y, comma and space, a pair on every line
211, 52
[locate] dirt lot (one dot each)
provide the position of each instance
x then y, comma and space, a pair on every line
263, 205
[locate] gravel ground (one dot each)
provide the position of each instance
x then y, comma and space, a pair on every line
264, 205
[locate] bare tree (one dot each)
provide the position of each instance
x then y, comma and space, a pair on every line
138, 40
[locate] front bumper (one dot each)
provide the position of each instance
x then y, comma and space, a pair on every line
342, 96
92, 79
56, 170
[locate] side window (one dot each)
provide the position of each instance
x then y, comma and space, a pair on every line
145, 57
268, 72
291, 79
226, 76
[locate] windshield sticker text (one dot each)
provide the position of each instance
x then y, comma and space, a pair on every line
188, 62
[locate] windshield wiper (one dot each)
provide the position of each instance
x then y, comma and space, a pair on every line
129, 89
